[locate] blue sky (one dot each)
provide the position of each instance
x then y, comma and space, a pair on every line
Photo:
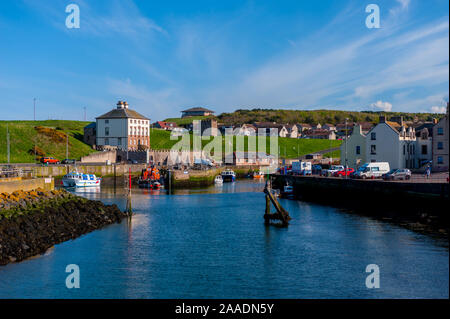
165, 56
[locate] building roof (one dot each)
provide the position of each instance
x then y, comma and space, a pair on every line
198, 109
121, 114
91, 125
268, 125
163, 124
318, 132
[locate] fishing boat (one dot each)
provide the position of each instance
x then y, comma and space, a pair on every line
76, 179
218, 180
258, 175
150, 178
228, 175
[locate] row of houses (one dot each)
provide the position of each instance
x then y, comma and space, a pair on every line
403, 145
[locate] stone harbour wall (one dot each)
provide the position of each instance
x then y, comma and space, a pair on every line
34, 221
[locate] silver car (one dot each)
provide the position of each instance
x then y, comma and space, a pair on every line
398, 173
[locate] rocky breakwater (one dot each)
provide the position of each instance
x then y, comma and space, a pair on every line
32, 222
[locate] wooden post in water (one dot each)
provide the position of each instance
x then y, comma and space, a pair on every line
281, 213
267, 214
129, 209
115, 177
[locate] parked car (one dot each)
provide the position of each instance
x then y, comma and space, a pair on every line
344, 172
49, 160
372, 170
393, 174
68, 161
333, 169
132, 161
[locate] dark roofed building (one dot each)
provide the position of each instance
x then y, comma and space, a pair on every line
196, 111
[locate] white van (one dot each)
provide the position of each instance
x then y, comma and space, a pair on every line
372, 170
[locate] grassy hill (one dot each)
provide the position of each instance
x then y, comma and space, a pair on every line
288, 147
182, 121
50, 139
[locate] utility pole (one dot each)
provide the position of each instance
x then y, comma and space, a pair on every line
67, 145
34, 117
346, 138
7, 143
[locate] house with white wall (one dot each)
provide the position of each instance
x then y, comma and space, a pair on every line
393, 142
441, 144
123, 128
353, 149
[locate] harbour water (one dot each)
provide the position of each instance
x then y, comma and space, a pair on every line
212, 243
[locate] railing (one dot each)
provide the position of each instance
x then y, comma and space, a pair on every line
9, 171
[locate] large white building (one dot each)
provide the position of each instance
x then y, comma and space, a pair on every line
393, 142
123, 128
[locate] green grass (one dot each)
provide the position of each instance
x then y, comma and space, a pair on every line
22, 137
334, 154
186, 120
288, 147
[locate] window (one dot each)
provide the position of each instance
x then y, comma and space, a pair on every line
358, 149
119, 141
424, 150
440, 146
440, 131
404, 149
106, 121
373, 149
440, 160
375, 169
107, 131
106, 141
373, 136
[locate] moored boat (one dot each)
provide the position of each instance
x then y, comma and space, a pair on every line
150, 178
218, 179
76, 179
259, 174
228, 175
287, 192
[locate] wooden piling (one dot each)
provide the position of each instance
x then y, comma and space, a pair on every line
281, 213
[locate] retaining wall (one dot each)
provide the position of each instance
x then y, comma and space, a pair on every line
26, 185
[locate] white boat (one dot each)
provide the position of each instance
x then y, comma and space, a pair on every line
228, 175
218, 179
76, 179
287, 192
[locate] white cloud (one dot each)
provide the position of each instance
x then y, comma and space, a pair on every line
438, 109
383, 106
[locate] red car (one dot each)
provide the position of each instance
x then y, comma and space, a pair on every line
49, 160
342, 172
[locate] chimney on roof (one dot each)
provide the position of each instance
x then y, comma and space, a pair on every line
398, 119
125, 104
434, 120
120, 105
382, 119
